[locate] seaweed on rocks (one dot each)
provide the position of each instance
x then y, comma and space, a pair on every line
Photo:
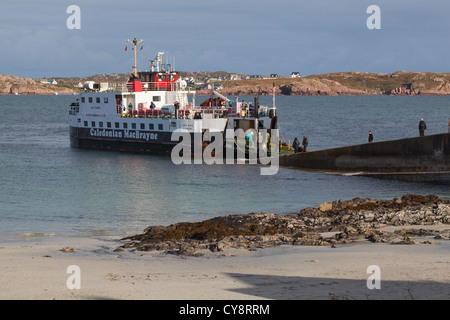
338, 222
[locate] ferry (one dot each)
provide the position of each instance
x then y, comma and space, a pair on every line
143, 114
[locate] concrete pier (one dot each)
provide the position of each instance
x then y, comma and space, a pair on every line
415, 159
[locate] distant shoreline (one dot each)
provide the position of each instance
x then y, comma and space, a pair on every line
400, 83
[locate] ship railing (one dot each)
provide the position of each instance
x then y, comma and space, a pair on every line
148, 113
183, 113
161, 86
189, 112
146, 86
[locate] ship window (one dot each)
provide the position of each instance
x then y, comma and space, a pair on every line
117, 125
160, 126
108, 124
151, 126
93, 124
100, 124
142, 126
125, 125
133, 125
83, 99
86, 123
90, 99
97, 100
156, 98
105, 100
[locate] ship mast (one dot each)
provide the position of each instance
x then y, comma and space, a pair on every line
135, 43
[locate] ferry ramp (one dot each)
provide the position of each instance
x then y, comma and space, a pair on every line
413, 159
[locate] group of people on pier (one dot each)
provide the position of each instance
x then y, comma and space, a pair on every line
296, 144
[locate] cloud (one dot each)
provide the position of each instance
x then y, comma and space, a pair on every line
256, 37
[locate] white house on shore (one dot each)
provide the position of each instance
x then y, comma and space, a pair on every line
54, 82
295, 75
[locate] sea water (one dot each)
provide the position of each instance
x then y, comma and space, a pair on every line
47, 187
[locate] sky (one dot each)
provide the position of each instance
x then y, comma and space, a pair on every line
238, 36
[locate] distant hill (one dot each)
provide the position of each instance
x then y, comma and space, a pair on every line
17, 85
346, 83
120, 77
339, 83
107, 77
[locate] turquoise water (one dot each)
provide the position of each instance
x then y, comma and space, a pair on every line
48, 187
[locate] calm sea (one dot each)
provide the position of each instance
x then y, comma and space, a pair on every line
47, 187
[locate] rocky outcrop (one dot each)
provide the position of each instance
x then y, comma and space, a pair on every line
331, 223
344, 83
17, 85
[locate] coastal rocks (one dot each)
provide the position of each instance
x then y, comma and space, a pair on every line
338, 222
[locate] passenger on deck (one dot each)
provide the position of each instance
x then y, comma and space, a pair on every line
197, 115
176, 104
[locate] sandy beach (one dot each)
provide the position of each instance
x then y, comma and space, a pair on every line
37, 268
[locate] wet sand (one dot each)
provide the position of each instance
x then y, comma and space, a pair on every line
36, 268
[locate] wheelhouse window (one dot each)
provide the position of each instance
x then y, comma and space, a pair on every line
105, 100
125, 125
92, 123
90, 99
86, 123
133, 125
151, 126
83, 99
142, 126
100, 124
117, 125
160, 126
97, 100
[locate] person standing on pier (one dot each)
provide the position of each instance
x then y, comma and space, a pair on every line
422, 127
304, 143
296, 145
370, 137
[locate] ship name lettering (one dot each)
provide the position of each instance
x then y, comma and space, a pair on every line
105, 133
128, 134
